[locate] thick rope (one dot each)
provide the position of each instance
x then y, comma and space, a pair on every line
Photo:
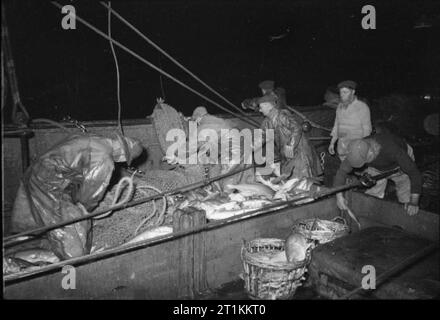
129, 181
172, 59
118, 85
78, 18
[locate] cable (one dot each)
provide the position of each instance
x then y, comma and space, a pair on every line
117, 69
78, 18
172, 59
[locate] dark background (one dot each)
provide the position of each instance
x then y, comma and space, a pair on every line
72, 72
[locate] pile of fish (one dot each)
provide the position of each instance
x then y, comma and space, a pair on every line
242, 198
27, 260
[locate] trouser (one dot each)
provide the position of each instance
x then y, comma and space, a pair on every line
403, 184
70, 241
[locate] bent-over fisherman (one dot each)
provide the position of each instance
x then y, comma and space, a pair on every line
383, 152
66, 182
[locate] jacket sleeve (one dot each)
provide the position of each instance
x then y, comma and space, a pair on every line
96, 180
291, 127
342, 173
410, 168
364, 116
334, 132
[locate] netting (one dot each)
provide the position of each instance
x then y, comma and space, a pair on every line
121, 225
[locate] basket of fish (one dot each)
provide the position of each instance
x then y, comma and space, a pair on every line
321, 231
268, 274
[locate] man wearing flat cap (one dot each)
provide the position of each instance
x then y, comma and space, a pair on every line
298, 156
352, 119
267, 88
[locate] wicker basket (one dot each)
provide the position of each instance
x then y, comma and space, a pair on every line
266, 280
323, 230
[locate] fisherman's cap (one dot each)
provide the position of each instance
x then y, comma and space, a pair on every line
347, 84
199, 112
357, 152
267, 85
268, 98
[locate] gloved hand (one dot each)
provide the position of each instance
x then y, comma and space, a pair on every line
341, 202
331, 148
411, 209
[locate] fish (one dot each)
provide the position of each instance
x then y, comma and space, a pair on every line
14, 265
36, 256
151, 233
253, 189
296, 247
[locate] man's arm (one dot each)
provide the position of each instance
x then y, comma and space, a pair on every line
96, 181
408, 166
339, 180
364, 115
289, 123
334, 135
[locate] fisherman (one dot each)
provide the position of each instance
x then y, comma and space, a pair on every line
223, 164
331, 97
267, 87
298, 156
383, 152
352, 119
66, 182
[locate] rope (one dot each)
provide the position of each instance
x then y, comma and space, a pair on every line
11, 69
253, 123
55, 123
117, 69
172, 59
161, 215
129, 180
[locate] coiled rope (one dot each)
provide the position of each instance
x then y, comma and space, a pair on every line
119, 188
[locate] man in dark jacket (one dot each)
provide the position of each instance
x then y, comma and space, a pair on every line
298, 156
383, 152
66, 182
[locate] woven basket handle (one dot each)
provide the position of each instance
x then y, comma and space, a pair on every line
340, 218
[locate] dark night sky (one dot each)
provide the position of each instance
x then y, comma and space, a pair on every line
226, 44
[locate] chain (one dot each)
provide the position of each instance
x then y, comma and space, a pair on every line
322, 156
77, 124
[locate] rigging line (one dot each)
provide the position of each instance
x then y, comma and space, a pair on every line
10, 68
78, 18
161, 82
172, 59
117, 70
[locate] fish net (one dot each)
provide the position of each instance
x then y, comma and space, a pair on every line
122, 225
